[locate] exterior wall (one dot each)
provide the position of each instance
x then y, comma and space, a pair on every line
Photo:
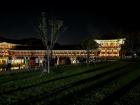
55, 53
18, 56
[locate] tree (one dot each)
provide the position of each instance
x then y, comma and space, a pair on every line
89, 44
132, 42
121, 35
49, 29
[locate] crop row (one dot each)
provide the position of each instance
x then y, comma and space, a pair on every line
37, 80
71, 95
108, 93
14, 77
52, 87
131, 97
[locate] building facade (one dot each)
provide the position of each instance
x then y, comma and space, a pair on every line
110, 48
107, 48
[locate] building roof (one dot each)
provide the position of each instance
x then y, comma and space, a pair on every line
120, 41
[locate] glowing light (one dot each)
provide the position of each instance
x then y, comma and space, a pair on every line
109, 47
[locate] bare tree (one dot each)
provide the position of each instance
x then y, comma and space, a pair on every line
51, 28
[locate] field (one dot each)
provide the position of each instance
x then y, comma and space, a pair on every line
109, 83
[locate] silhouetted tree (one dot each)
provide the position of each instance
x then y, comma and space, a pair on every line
132, 42
89, 44
49, 27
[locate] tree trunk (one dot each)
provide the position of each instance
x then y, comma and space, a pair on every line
48, 59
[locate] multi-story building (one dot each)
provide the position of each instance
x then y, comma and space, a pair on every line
110, 48
107, 48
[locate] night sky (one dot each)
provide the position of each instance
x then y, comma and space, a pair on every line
82, 19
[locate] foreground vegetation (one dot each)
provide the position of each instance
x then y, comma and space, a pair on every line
100, 84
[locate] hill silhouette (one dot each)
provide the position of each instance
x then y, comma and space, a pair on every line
36, 44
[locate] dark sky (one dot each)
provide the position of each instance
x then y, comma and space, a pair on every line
82, 19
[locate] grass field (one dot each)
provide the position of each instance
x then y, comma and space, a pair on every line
109, 83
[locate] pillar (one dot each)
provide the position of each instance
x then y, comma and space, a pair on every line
58, 61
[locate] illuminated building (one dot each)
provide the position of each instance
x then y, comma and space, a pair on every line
107, 48
110, 48
5, 50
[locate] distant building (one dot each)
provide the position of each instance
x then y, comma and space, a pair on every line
107, 48
5, 50
110, 48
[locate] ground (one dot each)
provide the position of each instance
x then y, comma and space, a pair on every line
115, 83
